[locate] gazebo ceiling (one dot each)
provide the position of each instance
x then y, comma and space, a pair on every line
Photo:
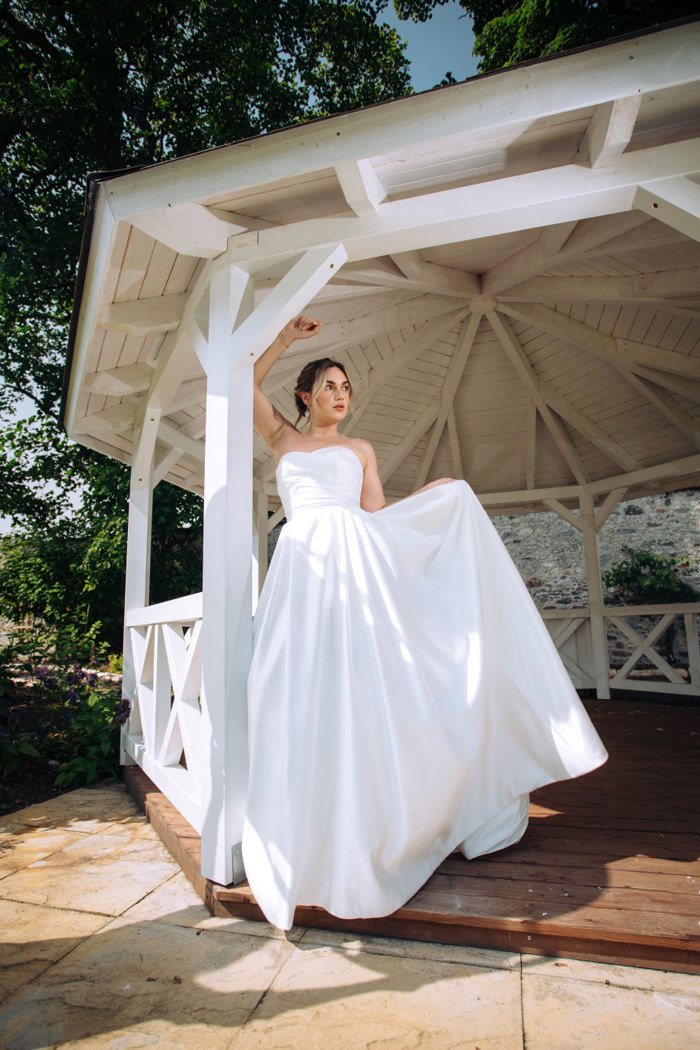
521, 301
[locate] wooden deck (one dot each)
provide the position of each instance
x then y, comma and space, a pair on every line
609, 868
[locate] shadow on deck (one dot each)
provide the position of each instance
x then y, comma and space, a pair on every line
608, 869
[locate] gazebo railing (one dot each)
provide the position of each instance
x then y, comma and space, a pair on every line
163, 734
570, 631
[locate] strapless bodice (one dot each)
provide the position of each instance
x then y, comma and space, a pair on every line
323, 477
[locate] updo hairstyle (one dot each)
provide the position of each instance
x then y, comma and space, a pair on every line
311, 379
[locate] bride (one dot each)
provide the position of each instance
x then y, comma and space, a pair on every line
404, 695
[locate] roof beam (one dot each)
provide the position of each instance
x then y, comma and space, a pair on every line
674, 201
188, 228
452, 380
639, 288
443, 279
160, 313
119, 382
533, 386
546, 253
521, 202
613, 350
664, 403
609, 131
513, 97
453, 436
686, 387
361, 186
309, 272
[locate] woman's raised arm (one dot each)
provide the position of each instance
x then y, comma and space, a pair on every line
268, 422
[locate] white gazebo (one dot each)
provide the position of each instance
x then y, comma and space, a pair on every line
509, 267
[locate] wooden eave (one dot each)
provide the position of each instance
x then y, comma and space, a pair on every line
521, 304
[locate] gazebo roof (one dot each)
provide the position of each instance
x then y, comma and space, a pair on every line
521, 299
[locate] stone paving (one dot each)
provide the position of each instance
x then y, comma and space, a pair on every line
106, 945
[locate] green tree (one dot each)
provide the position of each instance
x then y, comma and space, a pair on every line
510, 32
94, 86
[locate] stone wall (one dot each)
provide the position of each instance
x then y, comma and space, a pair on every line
549, 552
549, 555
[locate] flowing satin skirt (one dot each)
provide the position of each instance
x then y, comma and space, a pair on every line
404, 698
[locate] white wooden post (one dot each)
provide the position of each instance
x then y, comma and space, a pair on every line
599, 641
237, 336
138, 566
227, 579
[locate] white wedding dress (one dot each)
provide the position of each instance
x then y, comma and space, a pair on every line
404, 696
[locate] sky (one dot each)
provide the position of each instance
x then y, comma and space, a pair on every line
443, 43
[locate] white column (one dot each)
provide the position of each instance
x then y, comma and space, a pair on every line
138, 566
599, 641
227, 579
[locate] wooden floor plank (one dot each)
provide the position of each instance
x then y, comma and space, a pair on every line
608, 869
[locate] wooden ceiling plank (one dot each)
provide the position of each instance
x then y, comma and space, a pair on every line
675, 201
609, 131
452, 380
175, 437
518, 359
664, 403
624, 351
409, 440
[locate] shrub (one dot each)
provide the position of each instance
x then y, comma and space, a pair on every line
647, 578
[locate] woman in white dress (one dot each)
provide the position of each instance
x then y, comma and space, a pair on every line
404, 694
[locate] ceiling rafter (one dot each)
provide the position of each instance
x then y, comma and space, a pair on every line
518, 358
624, 351
546, 253
470, 327
639, 288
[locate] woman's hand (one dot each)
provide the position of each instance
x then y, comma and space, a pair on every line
302, 327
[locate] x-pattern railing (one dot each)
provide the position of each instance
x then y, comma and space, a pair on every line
163, 734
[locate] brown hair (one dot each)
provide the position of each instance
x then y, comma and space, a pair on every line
310, 380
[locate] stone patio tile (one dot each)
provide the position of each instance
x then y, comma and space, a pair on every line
354, 943
34, 938
564, 1014
610, 974
24, 845
85, 809
144, 985
176, 901
105, 872
328, 999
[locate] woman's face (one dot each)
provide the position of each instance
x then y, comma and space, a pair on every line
331, 402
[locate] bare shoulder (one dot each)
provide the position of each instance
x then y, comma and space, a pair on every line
365, 451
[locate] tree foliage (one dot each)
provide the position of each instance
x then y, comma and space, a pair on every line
507, 31
94, 86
